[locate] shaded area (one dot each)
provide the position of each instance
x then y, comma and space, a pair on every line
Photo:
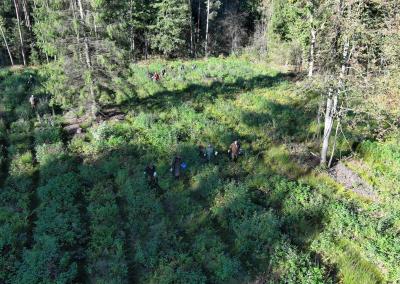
201, 94
222, 222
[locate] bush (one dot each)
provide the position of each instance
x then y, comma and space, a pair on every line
20, 131
53, 160
47, 262
232, 204
210, 252
47, 135
21, 171
58, 234
106, 255
23, 111
108, 136
292, 266
257, 235
13, 236
15, 204
179, 268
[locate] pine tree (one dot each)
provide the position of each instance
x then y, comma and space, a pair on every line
171, 25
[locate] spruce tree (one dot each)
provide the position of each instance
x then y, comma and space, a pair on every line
87, 65
170, 27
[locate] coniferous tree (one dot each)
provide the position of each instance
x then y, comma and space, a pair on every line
170, 26
87, 63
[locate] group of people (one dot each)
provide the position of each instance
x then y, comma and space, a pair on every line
156, 76
177, 165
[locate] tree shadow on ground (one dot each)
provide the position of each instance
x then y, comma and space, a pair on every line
205, 93
287, 120
164, 234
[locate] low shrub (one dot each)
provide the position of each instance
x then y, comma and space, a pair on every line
58, 234
21, 171
20, 131
210, 252
47, 134
53, 160
106, 253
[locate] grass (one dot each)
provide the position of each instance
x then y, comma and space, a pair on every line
266, 217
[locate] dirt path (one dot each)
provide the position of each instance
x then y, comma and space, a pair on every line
352, 181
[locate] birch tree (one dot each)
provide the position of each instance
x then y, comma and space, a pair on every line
3, 34
16, 5
212, 11
352, 56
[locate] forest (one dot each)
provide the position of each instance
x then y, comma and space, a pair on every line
200, 141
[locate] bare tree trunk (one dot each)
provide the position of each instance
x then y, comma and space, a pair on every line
85, 41
73, 8
198, 21
313, 37
81, 13
146, 47
191, 28
20, 32
93, 106
312, 52
6, 44
317, 136
331, 104
45, 53
207, 28
334, 144
131, 31
25, 7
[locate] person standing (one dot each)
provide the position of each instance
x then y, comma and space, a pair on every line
32, 101
151, 174
234, 150
176, 167
210, 153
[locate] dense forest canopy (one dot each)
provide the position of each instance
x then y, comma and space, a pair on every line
98, 96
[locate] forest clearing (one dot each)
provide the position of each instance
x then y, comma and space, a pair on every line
176, 141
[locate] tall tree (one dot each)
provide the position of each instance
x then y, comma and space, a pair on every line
16, 5
87, 64
3, 34
171, 24
212, 10
351, 55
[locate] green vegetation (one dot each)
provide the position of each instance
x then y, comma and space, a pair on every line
78, 208
103, 102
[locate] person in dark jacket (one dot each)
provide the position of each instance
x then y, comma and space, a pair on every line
151, 175
176, 167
